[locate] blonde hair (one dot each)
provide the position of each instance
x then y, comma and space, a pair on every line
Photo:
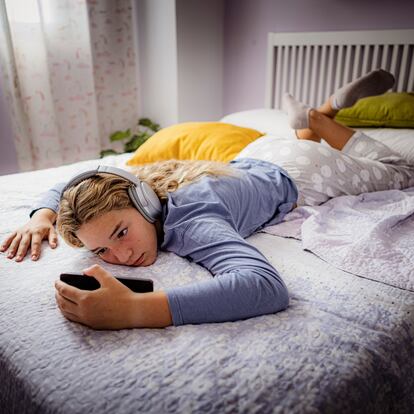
103, 193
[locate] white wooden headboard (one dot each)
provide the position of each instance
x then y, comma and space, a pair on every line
311, 66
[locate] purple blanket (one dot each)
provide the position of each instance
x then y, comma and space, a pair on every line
370, 235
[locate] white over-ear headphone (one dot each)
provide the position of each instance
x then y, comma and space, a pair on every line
143, 197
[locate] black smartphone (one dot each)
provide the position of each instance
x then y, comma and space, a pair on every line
90, 283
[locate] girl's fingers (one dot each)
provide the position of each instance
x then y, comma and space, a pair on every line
36, 246
13, 246
17, 244
70, 293
71, 317
7, 241
53, 238
23, 247
66, 305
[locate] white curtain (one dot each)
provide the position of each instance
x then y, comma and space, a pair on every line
68, 71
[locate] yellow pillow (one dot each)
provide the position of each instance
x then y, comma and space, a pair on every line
392, 110
215, 141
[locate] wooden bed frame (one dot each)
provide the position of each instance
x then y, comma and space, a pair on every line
311, 66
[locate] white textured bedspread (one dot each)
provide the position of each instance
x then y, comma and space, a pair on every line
370, 235
344, 345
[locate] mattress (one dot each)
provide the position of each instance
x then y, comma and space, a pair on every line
345, 343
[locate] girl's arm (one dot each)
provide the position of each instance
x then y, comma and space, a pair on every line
151, 310
50, 200
245, 284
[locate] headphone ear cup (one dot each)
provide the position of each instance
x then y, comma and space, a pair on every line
132, 192
146, 201
153, 202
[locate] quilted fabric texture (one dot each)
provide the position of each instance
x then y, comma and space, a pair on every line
344, 344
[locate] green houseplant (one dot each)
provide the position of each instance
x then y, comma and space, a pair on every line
133, 138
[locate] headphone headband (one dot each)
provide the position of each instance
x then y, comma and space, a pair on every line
143, 197
101, 169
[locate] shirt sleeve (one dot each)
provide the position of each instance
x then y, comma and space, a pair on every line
244, 285
50, 199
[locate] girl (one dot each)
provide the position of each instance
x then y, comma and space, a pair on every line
203, 211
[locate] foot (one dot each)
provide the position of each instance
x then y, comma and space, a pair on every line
298, 112
374, 83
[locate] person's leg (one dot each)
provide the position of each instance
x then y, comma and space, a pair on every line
361, 145
333, 173
321, 172
334, 133
373, 83
309, 134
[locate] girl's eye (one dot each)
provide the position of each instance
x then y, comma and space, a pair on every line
122, 233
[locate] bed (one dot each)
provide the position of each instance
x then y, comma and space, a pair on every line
345, 344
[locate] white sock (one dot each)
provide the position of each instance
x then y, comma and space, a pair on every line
298, 112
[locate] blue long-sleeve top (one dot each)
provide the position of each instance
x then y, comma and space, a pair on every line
207, 221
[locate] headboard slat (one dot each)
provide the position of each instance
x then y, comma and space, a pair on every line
312, 65
298, 77
410, 83
374, 62
404, 58
358, 56
322, 75
393, 66
365, 59
306, 73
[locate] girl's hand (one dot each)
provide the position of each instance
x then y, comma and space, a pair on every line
113, 305
109, 307
31, 235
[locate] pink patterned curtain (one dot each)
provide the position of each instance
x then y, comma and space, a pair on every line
68, 71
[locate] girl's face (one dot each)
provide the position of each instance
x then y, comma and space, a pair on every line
121, 237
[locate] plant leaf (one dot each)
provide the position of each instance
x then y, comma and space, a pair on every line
135, 142
146, 122
107, 152
120, 135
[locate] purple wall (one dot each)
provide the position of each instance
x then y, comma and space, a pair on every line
247, 23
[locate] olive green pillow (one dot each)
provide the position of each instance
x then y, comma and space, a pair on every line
392, 110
